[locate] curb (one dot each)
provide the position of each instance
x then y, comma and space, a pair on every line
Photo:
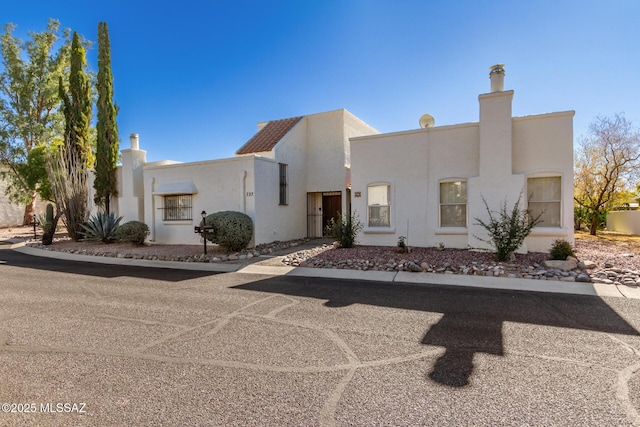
501, 283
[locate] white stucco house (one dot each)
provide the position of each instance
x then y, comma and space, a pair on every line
429, 184
291, 177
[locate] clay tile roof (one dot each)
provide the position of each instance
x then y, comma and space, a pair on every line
268, 136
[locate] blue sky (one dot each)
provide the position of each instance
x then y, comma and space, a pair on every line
194, 77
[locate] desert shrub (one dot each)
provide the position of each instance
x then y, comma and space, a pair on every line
101, 227
402, 244
48, 224
561, 249
133, 231
345, 229
507, 230
232, 230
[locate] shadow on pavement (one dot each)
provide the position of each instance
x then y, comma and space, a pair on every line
472, 318
16, 259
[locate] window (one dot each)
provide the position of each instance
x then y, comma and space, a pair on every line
177, 208
283, 184
453, 204
544, 198
378, 204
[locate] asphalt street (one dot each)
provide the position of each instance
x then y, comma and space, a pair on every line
95, 344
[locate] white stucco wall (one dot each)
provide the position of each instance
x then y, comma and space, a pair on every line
285, 222
415, 162
543, 146
220, 184
11, 214
627, 222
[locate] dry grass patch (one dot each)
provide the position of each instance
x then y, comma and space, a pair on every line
610, 238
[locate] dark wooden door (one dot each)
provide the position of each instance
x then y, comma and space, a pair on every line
331, 208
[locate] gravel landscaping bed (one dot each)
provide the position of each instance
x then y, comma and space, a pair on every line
602, 260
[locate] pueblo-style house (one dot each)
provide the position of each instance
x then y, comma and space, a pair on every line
428, 184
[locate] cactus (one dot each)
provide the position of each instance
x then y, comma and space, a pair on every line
49, 226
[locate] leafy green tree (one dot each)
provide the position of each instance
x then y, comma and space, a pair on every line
68, 167
30, 115
606, 164
107, 127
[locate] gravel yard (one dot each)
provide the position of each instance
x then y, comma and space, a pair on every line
616, 258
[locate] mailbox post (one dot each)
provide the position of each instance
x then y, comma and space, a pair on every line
35, 223
203, 229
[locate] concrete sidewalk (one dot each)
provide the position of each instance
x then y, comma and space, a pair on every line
271, 266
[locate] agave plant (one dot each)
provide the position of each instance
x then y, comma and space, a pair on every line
101, 227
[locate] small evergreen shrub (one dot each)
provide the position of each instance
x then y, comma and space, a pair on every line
561, 249
402, 245
345, 229
133, 231
507, 230
101, 227
232, 230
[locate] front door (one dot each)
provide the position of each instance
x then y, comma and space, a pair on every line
331, 207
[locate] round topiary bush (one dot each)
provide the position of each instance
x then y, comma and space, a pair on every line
560, 250
133, 231
232, 230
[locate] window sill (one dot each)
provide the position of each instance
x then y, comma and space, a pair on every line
451, 231
549, 231
379, 230
178, 222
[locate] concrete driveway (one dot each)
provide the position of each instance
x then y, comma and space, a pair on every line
135, 346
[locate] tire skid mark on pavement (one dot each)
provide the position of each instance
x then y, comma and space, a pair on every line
140, 321
273, 313
622, 393
328, 411
219, 323
225, 363
559, 360
622, 386
624, 376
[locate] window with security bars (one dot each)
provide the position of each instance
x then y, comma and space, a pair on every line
453, 204
177, 208
544, 195
283, 184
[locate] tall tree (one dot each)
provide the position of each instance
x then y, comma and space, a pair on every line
107, 127
75, 153
606, 164
30, 116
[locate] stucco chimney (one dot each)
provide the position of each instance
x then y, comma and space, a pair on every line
135, 141
496, 74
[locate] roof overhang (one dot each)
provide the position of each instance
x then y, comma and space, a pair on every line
171, 188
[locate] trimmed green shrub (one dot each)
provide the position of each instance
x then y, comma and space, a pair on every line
232, 230
507, 230
345, 229
133, 231
101, 227
561, 249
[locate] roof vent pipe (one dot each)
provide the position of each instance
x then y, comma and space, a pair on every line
496, 74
